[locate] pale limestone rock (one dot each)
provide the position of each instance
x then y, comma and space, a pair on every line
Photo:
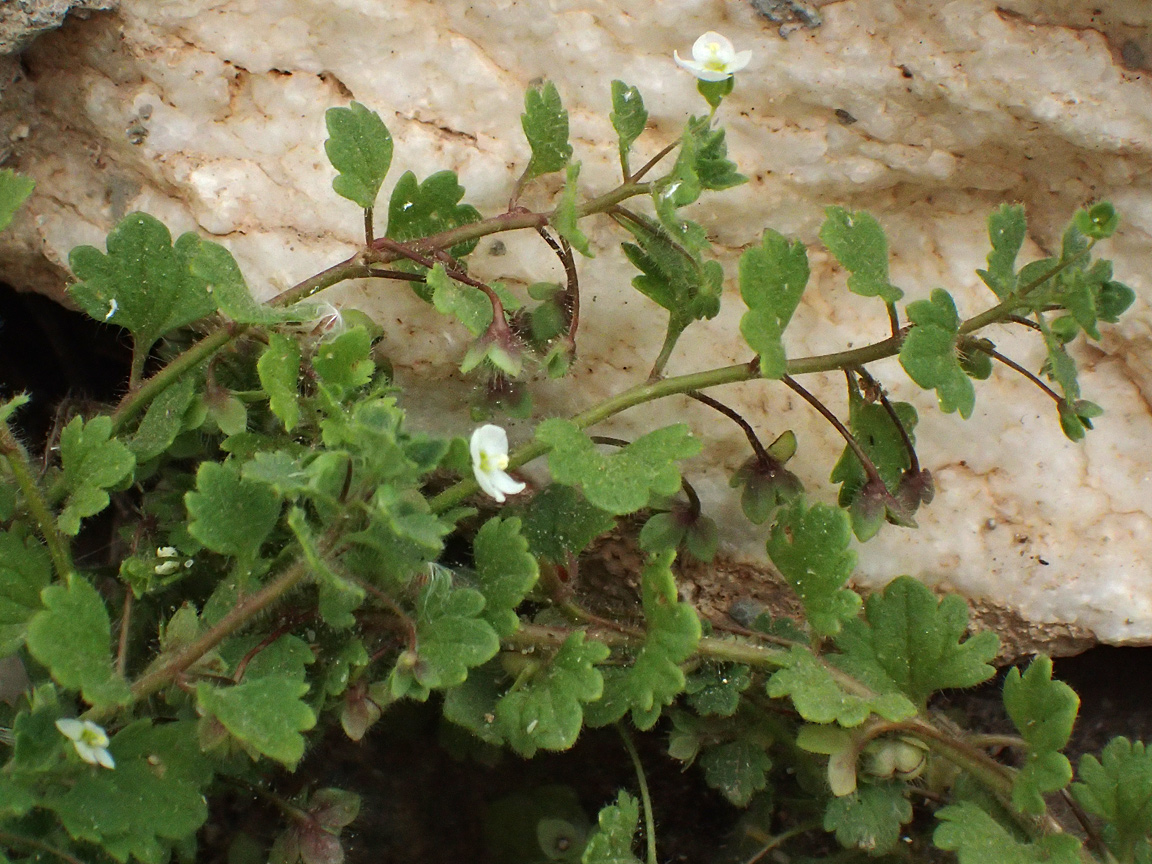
928, 113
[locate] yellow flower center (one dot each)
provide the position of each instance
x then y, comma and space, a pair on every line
490, 462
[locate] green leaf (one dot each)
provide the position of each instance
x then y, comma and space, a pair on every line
736, 769
164, 420
265, 715
151, 802
911, 642
820, 698
418, 210
505, 572
1044, 712
216, 269
545, 123
343, 363
629, 117
11, 406
672, 632
611, 842
93, 462
870, 818
1059, 367
1007, 228
859, 244
72, 636
773, 276
25, 570
279, 370
1117, 788
875, 431
229, 514
339, 597
359, 146
671, 275
559, 522
451, 637
144, 283
622, 482
809, 546
565, 219
546, 711
1099, 221
716, 690
468, 305
703, 160
14, 191
977, 838
930, 357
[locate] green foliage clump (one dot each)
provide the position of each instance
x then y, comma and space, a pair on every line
296, 561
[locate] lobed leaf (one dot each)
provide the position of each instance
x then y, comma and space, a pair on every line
158, 766
451, 637
930, 357
911, 641
629, 117
93, 462
546, 711
418, 210
1044, 712
266, 715
559, 522
505, 572
230, 514
736, 769
1007, 228
870, 818
344, 363
655, 679
279, 371
611, 842
72, 636
164, 420
810, 548
859, 244
977, 838
1117, 788
218, 272
622, 482
773, 276
359, 147
144, 283
673, 276
545, 123
820, 698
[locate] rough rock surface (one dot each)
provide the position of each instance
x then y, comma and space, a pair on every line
928, 113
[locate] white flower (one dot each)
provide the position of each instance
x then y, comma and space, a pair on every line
714, 58
90, 741
489, 449
166, 552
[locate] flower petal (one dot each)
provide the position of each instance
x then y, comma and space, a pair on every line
740, 61
712, 45
71, 729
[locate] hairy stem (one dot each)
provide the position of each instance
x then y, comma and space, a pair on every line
670, 338
34, 500
244, 611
